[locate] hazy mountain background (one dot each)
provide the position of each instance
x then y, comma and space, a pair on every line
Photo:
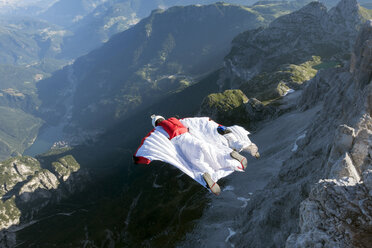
84, 76
149, 62
38, 38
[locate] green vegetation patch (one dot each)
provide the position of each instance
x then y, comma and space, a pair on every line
366, 13
56, 151
70, 162
303, 72
17, 130
60, 169
273, 9
15, 170
227, 107
65, 166
9, 213
16, 76
368, 6
226, 101
327, 65
268, 86
20, 179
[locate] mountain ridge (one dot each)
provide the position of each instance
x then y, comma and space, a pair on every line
260, 55
158, 62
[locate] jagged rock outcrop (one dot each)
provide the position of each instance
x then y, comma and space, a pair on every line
26, 187
338, 211
38, 187
322, 194
228, 106
65, 166
256, 111
9, 213
233, 107
293, 39
267, 86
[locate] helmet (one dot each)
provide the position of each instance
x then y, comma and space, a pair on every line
154, 118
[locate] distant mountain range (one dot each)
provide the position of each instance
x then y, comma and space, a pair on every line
28, 55
26, 41
164, 53
92, 22
67, 12
24, 7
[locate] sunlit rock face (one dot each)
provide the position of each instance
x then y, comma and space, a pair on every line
321, 195
338, 211
293, 39
323, 191
26, 187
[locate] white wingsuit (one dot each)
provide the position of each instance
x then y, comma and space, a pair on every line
201, 149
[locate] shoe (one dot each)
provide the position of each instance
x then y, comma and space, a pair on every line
240, 158
257, 155
213, 186
253, 150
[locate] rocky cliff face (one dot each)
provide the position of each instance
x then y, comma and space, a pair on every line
26, 187
338, 211
229, 105
321, 196
232, 107
293, 39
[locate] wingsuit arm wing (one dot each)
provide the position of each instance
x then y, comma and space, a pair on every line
156, 146
141, 159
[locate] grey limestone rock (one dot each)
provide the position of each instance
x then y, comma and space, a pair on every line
344, 138
233, 107
293, 39
26, 187
338, 212
367, 179
39, 186
361, 62
340, 209
322, 194
317, 88
257, 111
344, 167
361, 148
65, 166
